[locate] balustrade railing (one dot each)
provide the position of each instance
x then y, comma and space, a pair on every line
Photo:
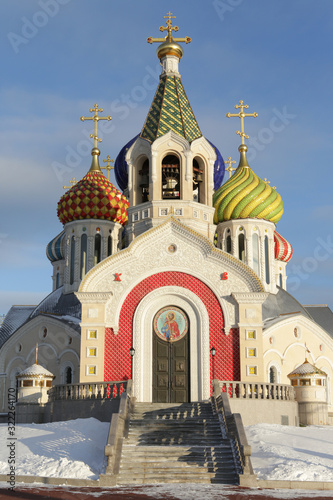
100, 390
261, 390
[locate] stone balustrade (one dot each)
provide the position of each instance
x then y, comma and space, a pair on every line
261, 390
100, 390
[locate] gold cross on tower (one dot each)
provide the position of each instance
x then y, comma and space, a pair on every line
169, 29
96, 118
242, 115
108, 167
72, 182
230, 169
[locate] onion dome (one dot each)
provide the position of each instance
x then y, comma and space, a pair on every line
55, 249
121, 167
306, 369
93, 197
245, 195
283, 250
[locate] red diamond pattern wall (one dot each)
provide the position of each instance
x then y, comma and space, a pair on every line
117, 362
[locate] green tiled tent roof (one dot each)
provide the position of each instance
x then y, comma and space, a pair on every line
170, 110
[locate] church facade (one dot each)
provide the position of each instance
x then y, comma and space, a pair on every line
177, 277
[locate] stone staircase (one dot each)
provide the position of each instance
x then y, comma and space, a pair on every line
172, 443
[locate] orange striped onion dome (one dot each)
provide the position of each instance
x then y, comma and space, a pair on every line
93, 197
283, 250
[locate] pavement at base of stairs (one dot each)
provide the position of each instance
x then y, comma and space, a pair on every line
156, 492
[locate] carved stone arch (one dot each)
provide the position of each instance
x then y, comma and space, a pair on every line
172, 138
273, 367
199, 340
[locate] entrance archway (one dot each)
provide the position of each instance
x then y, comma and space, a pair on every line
171, 363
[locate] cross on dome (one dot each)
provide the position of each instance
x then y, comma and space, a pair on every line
241, 115
108, 167
169, 28
230, 169
95, 118
72, 182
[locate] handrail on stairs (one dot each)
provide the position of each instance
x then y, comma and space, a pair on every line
234, 428
118, 430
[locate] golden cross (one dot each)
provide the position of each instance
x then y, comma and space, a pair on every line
96, 118
242, 115
72, 182
229, 161
108, 167
266, 181
169, 29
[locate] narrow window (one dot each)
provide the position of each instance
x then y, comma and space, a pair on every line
267, 261
197, 182
97, 254
72, 260
109, 246
272, 375
280, 277
57, 280
68, 375
241, 247
83, 263
228, 243
255, 252
144, 182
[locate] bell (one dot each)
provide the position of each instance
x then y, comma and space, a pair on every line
144, 183
171, 182
199, 178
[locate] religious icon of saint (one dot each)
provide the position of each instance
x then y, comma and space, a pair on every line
170, 327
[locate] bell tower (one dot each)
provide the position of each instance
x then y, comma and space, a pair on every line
171, 168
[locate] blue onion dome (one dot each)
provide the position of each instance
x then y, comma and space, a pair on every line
219, 168
121, 167
55, 249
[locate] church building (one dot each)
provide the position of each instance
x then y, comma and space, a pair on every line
176, 277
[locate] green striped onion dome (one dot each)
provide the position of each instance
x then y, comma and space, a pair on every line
245, 195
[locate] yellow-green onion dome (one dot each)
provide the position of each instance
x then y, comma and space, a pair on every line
245, 195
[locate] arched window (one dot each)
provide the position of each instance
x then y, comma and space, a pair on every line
170, 178
68, 375
198, 179
241, 247
109, 245
272, 375
280, 280
57, 280
98, 247
255, 252
228, 244
83, 259
144, 182
71, 281
267, 261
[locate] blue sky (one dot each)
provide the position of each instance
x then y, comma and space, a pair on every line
59, 57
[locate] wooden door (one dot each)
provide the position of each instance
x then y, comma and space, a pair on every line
170, 356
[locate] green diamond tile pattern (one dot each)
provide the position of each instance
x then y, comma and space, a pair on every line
170, 110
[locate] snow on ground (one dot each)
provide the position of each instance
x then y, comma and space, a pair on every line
72, 449
291, 453
75, 449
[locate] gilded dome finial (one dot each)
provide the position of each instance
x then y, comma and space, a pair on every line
229, 169
169, 44
242, 115
72, 182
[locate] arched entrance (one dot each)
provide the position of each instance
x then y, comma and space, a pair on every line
171, 364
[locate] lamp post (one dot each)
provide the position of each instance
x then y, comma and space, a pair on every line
213, 352
132, 352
